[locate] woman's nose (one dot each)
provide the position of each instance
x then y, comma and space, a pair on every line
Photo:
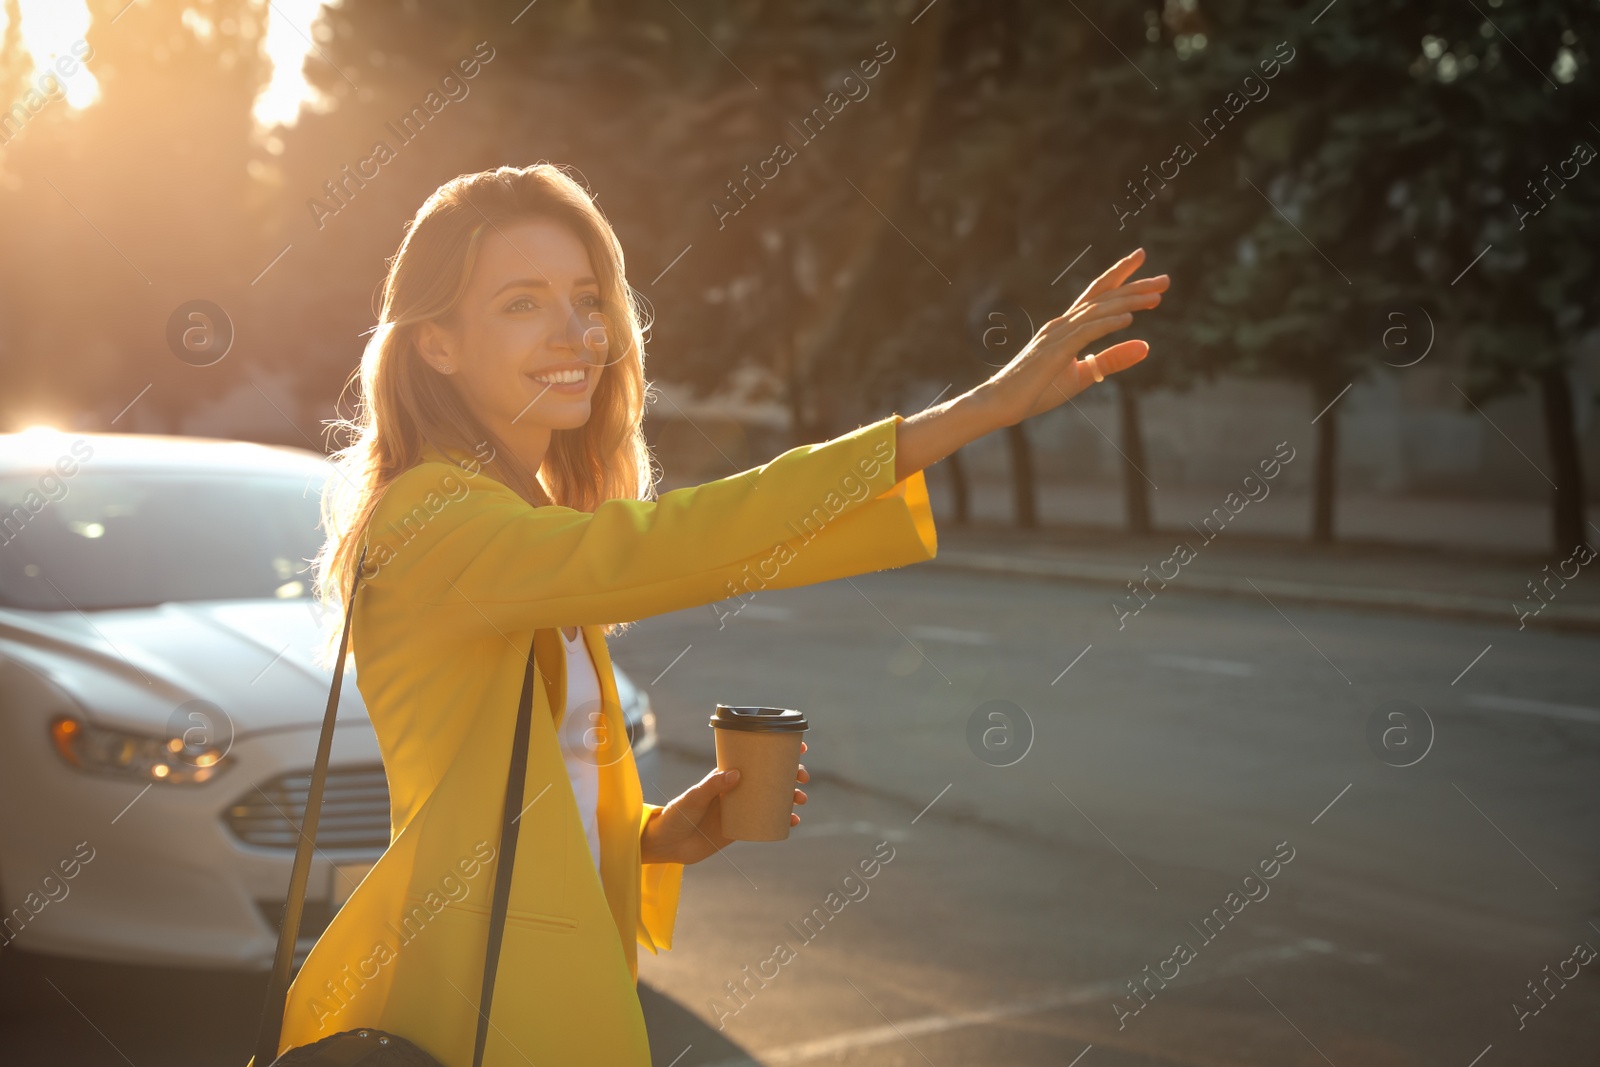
588, 334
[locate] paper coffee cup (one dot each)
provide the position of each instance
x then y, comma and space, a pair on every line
764, 745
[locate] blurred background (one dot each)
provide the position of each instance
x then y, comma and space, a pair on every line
1381, 221
1323, 230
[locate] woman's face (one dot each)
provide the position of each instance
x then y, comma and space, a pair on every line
526, 344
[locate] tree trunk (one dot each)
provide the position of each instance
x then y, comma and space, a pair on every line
1135, 490
799, 425
795, 391
958, 488
1324, 486
882, 190
1023, 504
1567, 527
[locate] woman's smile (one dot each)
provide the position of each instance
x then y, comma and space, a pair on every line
563, 379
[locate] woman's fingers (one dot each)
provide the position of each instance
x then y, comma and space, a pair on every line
1080, 333
1142, 288
1119, 357
804, 775
799, 796
713, 785
1116, 304
1144, 293
1114, 275
1070, 334
1138, 291
1110, 308
1156, 283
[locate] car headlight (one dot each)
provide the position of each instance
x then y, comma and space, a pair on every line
645, 733
142, 757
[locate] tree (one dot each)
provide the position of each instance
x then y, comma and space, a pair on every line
1141, 174
139, 199
1516, 214
1326, 247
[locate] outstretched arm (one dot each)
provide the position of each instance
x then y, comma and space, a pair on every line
1044, 375
479, 559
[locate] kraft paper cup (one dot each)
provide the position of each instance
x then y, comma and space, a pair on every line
764, 745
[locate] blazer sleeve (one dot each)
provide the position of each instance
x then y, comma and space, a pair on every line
659, 886
476, 558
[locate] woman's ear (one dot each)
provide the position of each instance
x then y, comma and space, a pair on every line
436, 346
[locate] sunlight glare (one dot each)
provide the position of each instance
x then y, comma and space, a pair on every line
49, 29
286, 45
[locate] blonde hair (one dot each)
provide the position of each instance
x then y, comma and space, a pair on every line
402, 403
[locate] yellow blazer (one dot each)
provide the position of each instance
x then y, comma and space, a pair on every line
461, 574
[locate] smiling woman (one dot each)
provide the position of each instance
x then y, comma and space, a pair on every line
507, 321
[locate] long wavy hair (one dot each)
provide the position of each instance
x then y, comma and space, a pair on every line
402, 403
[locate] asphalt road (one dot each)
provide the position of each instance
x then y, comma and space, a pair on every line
1171, 758
1152, 770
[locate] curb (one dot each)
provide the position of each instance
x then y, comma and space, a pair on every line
1401, 601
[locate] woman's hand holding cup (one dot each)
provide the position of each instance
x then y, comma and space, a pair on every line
689, 828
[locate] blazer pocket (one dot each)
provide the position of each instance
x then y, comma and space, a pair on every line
532, 920
550, 924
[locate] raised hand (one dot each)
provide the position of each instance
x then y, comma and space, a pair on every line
1048, 372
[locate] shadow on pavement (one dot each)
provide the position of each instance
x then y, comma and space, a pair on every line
674, 1028
55, 1011
59, 1011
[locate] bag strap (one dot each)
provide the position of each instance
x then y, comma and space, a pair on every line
270, 1030
510, 823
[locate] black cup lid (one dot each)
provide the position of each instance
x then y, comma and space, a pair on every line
777, 720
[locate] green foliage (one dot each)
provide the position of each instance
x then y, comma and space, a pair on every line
993, 150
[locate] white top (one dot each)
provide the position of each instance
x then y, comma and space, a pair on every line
582, 716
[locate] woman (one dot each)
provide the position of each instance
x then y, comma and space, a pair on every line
499, 483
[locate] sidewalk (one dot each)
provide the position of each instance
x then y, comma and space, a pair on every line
1474, 524
1456, 583
1461, 558
1458, 558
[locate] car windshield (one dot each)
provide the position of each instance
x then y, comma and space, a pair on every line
104, 540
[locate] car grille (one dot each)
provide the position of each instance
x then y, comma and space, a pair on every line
355, 810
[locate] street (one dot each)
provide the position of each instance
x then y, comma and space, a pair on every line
1201, 777
1171, 759
1223, 377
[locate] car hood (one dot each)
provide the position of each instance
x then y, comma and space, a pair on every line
135, 667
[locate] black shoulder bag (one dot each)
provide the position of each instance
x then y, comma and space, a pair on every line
368, 1047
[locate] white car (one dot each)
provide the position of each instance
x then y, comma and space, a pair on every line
159, 710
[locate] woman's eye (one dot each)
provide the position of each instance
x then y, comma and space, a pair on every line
521, 303
593, 298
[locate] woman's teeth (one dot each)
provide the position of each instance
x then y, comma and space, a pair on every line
564, 377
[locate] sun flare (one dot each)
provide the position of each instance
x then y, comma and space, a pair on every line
288, 40
49, 29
